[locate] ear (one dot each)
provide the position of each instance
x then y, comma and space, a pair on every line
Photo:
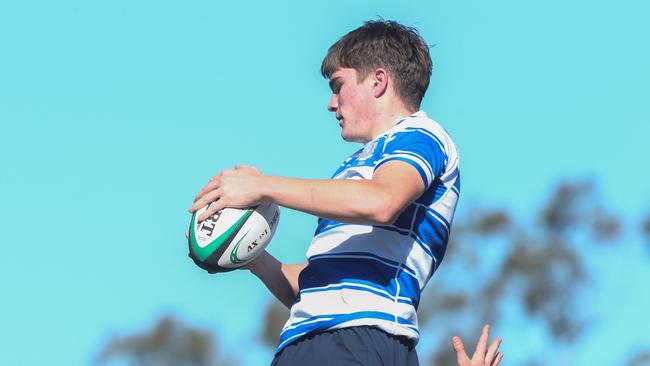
380, 82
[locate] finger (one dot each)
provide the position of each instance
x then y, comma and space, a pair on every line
497, 359
210, 186
205, 200
187, 234
216, 176
461, 356
492, 351
481, 345
212, 209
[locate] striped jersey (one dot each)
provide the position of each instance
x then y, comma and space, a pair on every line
373, 275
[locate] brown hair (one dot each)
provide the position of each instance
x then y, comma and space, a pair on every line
386, 44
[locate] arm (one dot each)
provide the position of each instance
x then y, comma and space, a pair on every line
379, 200
281, 279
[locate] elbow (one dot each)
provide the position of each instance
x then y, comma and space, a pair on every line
383, 211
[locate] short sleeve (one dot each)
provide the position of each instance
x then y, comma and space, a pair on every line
418, 147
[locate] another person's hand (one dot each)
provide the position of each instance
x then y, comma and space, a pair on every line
483, 356
238, 188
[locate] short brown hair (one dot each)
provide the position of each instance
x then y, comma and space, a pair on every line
390, 45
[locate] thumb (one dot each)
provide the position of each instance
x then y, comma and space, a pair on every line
246, 167
461, 356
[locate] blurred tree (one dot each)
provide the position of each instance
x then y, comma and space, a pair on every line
275, 315
496, 261
169, 343
640, 359
646, 228
507, 264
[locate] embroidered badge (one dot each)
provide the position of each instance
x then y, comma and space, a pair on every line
367, 151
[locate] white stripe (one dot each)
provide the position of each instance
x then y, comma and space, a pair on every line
356, 172
346, 301
290, 339
341, 284
397, 291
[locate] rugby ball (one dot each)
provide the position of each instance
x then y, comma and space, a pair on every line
232, 237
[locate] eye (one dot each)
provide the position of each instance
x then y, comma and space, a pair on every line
335, 85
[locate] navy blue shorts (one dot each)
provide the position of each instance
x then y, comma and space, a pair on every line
349, 346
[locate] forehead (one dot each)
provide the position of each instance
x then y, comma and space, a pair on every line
343, 73
341, 76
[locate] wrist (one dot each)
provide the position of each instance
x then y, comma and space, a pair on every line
266, 188
255, 266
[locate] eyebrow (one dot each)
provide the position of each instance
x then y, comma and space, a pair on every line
334, 81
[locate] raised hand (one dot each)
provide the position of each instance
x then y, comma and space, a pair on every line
483, 356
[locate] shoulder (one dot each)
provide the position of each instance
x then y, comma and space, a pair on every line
422, 126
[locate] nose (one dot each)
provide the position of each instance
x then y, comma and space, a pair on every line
333, 105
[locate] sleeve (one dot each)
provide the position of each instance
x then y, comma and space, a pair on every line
418, 147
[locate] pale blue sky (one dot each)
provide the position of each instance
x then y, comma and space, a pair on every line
113, 114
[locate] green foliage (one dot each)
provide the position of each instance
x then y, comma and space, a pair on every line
168, 343
537, 267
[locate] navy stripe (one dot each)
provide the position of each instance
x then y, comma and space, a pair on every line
442, 218
434, 237
405, 220
329, 271
365, 254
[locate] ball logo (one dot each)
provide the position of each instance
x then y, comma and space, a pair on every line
208, 225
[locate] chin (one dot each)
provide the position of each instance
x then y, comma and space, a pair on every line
351, 138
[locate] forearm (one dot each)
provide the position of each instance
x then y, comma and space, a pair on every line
352, 201
281, 279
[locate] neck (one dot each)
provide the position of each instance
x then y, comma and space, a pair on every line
386, 118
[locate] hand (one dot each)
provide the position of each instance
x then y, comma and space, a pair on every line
482, 356
237, 188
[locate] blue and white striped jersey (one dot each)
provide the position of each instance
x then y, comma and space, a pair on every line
373, 275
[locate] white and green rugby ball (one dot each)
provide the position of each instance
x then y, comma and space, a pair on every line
232, 237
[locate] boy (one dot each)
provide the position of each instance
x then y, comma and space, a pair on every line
384, 217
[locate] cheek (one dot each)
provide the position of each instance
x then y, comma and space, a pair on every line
350, 100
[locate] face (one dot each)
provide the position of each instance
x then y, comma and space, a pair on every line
351, 101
